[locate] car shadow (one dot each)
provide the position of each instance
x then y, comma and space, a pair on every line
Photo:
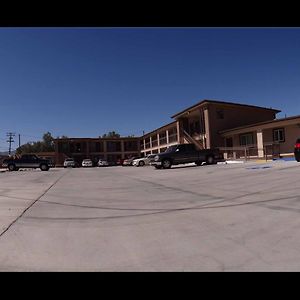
185, 167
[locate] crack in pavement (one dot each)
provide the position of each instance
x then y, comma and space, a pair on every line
26, 209
162, 211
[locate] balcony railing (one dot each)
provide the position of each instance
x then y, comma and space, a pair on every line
173, 138
154, 143
163, 141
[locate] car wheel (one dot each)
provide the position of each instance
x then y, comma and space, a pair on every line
44, 167
166, 164
210, 160
141, 163
198, 163
11, 167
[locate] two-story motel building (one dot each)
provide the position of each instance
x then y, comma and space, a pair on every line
232, 127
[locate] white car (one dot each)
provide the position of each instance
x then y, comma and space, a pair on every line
140, 162
69, 162
87, 163
102, 163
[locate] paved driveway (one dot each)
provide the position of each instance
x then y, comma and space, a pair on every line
242, 217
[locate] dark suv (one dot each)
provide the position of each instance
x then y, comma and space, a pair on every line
297, 150
186, 153
26, 161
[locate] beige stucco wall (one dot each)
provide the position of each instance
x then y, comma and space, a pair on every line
233, 117
236, 139
292, 132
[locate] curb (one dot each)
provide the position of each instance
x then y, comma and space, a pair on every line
263, 161
231, 162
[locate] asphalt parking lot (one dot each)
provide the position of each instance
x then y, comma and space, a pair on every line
237, 217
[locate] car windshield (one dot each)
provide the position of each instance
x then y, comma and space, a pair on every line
171, 149
298, 141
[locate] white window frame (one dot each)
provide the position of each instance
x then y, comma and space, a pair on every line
276, 135
248, 134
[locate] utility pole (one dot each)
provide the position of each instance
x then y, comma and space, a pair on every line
19, 140
10, 140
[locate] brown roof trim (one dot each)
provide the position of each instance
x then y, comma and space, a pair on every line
223, 102
260, 123
157, 129
99, 138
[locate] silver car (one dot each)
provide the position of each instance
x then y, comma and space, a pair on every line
102, 163
69, 163
140, 162
87, 163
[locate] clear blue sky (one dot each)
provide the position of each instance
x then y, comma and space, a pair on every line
84, 82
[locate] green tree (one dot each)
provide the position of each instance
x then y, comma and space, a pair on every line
46, 145
111, 134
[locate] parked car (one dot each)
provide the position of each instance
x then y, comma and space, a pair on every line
297, 150
70, 163
102, 163
26, 161
140, 162
185, 153
87, 163
120, 162
129, 161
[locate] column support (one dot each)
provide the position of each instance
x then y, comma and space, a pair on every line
260, 143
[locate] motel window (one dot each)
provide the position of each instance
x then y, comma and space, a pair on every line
97, 147
278, 135
132, 145
78, 147
62, 147
246, 139
113, 146
220, 114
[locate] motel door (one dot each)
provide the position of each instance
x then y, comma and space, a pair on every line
229, 142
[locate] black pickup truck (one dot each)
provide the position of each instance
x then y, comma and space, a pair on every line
26, 161
185, 153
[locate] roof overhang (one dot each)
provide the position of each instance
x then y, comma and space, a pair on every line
262, 126
205, 102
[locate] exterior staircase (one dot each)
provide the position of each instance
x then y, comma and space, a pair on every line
189, 139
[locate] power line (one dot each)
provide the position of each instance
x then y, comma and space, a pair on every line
10, 140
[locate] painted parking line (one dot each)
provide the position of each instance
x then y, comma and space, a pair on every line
259, 167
